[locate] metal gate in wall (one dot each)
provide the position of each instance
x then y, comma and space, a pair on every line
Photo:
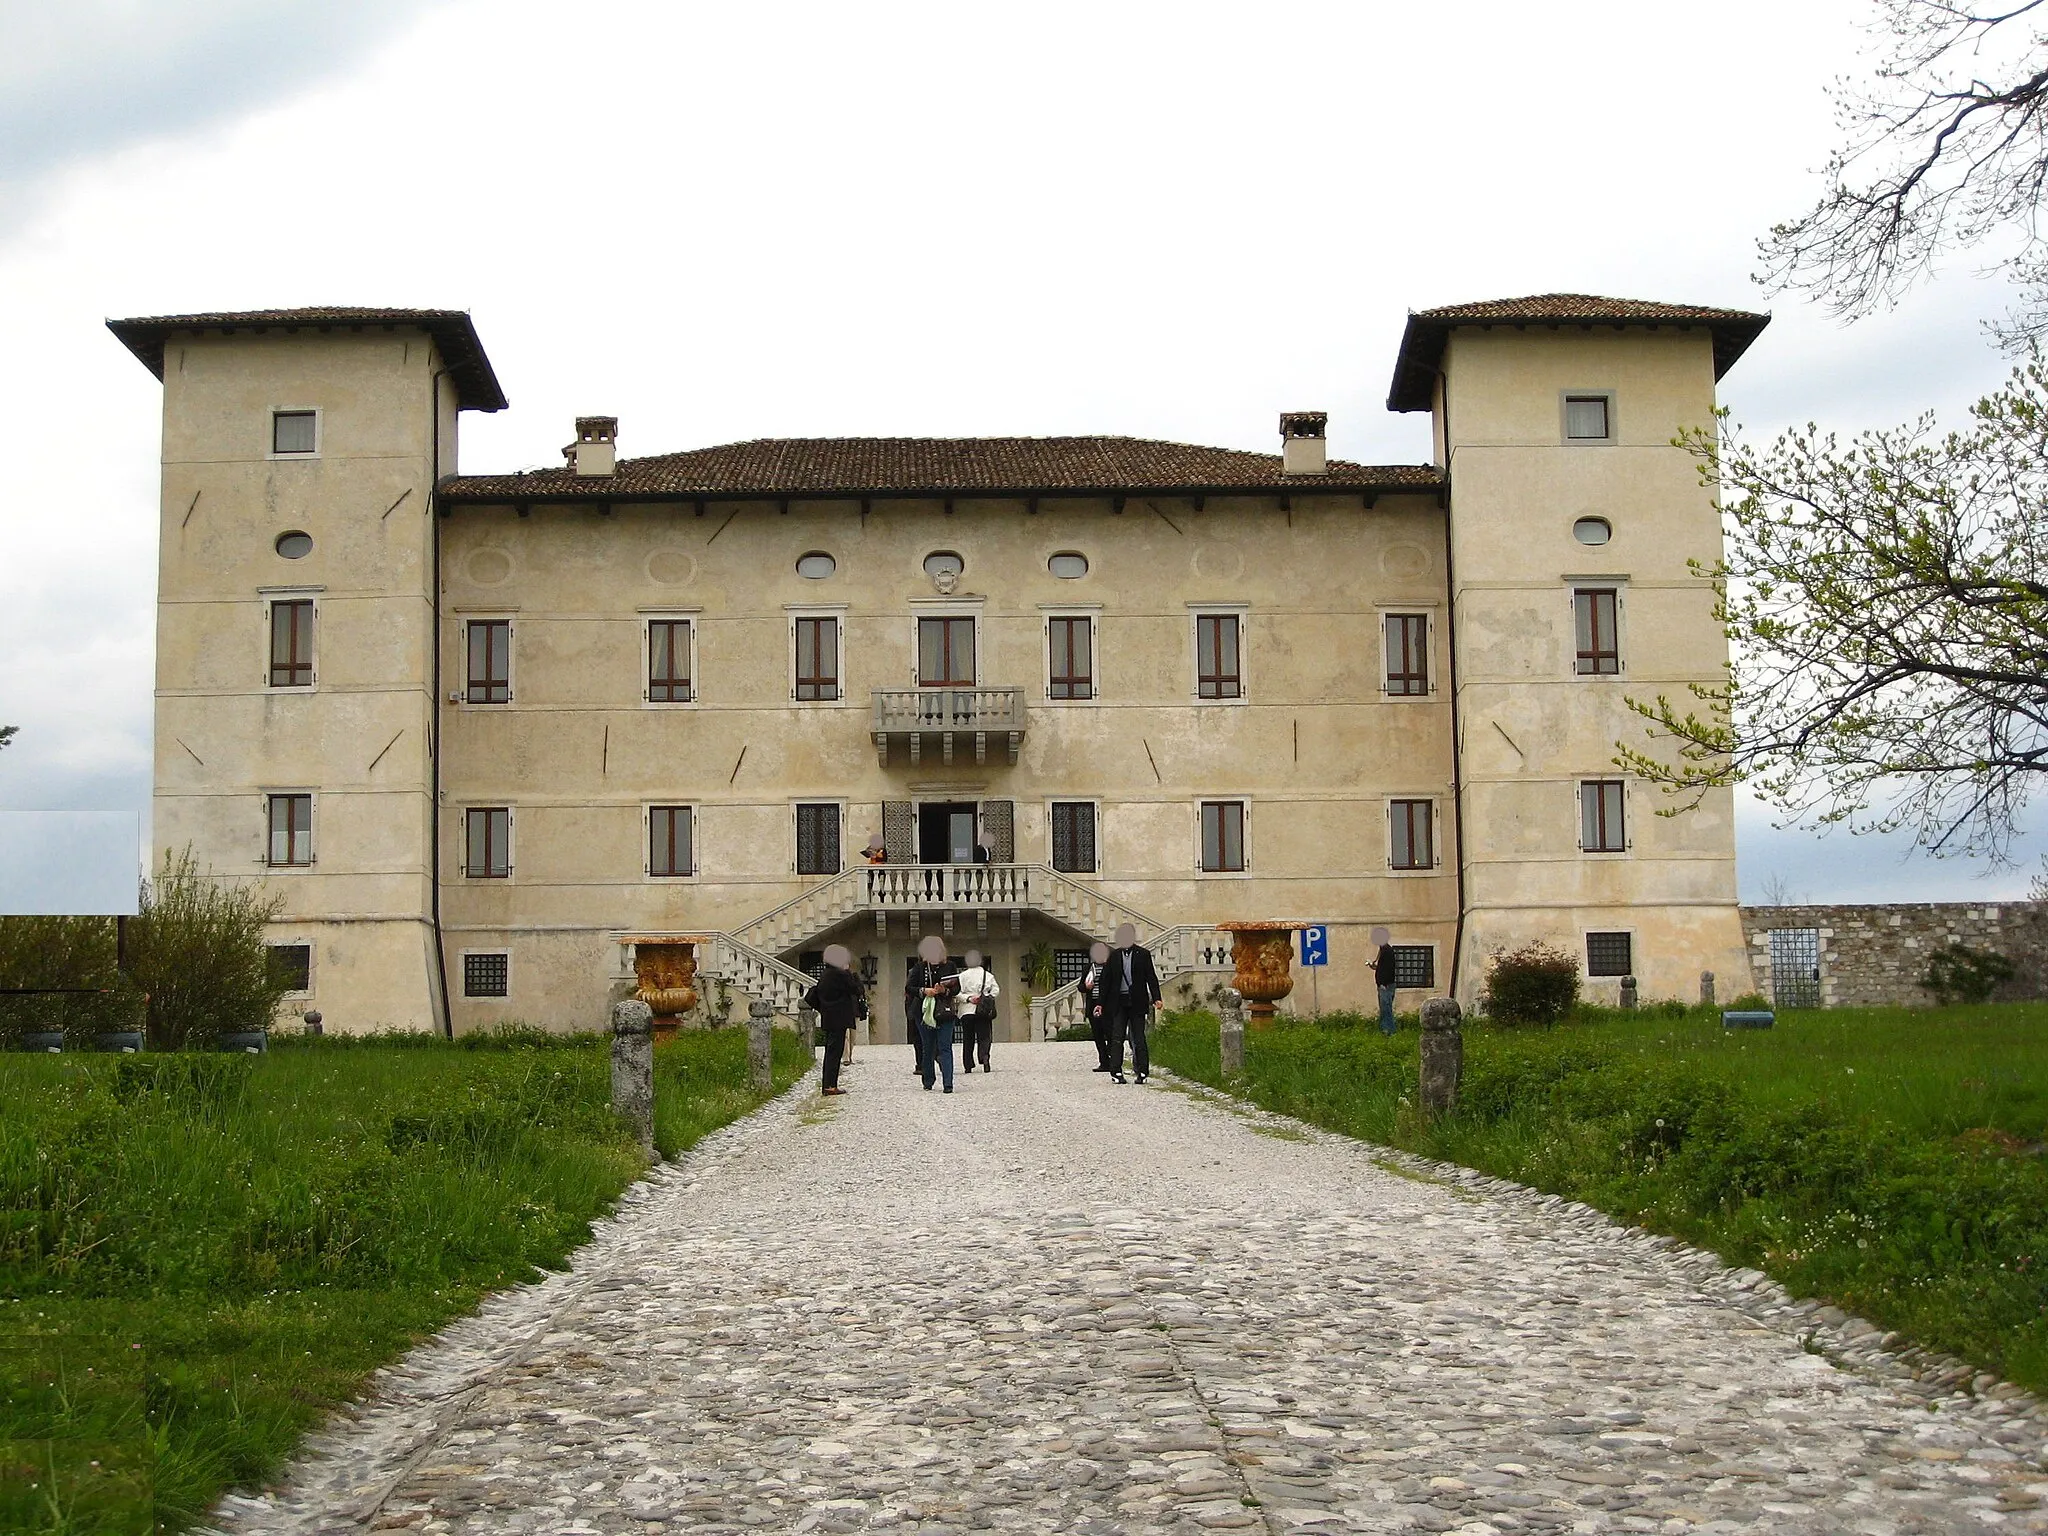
1795, 967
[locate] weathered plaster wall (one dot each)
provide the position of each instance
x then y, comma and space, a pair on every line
1876, 955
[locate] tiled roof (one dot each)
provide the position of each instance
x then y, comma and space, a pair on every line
822, 467
452, 330
1422, 344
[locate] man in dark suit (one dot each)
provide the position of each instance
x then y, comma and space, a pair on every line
1091, 1003
1129, 992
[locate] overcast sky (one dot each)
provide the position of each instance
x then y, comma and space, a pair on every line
719, 222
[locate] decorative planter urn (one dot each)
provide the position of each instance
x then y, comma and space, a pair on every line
667, 972
1264, 951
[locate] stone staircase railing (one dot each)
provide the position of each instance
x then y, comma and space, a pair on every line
945, 889
1188, 949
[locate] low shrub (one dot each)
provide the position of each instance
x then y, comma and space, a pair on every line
197, 949
1535, 984
1956, 973
76, 955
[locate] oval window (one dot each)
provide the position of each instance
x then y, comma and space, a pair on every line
816, 566
943, 563
295, 545
1068, 566
1592, 530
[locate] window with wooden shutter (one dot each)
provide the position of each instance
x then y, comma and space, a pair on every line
999, 830
488, 839
1070, 643
1223, 836
490, 661
1218, 670
817, 659
817, 839
1407, 654
1601, 816
291, 829
1412, 845
1073, 837
668, 661
291, 644
671, 840
1596, 615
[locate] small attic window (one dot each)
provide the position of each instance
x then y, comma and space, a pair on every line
294, 432
1588, 418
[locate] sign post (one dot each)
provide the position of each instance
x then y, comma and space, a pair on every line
1315, 954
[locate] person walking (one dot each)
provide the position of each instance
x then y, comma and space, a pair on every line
978, 994
913, 1014
1091, 1003
1130, 993
836, 995
937, 985
1383, 977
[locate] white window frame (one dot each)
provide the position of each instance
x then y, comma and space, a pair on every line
509, 617
270, 598
1092, 612
1628, 819
836, 612
845, 862
462, 970
1053, 800
271, 792
1242, 613
1564, 399
647, 810
1436, 833
1242, 799
1584, 582
511, 842
1586, 960
270, 438
312, 964
949, 608
646, 617
1430, 626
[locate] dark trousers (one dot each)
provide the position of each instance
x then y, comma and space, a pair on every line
1099, 1027
1129, 1024
975, 1035
936, 1051
913, 1009
835, 1052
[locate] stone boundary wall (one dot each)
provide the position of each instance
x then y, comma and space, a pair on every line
1876, 955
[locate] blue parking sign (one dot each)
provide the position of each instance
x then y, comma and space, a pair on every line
1315, 945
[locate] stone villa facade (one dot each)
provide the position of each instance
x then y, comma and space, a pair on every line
489, 735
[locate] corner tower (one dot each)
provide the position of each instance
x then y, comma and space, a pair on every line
1572, 518
296, 596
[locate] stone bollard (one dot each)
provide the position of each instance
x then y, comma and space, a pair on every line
633, 1068
1628, 991
760, 1043
1232, 1034
313, 1021
1706, 989
807, 1028
1443, 1055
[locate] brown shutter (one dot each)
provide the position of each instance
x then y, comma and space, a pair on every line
899, 830
999, 826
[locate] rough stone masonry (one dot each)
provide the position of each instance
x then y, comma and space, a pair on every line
1046, 1303
1874, 956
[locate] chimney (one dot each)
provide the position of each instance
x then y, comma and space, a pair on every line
1303, 448
596, 449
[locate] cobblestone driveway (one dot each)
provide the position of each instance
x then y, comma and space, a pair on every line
1046, 1303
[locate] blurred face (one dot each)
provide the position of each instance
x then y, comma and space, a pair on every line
839, 957
931, 949
1381, 936
1099, 953
973, 958
1126, 935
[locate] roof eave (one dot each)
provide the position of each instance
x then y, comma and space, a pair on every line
456, 494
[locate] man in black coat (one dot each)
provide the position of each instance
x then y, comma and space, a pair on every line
1091, 989
837, 997
935, 979
1129, 992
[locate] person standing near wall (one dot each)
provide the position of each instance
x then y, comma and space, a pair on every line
1130, 992
1383, 977
978, 994
1091, 1003
836, 995
936, 984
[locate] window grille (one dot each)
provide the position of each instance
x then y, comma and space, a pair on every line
291, 965
1610, 954
817, 839
1414, 965
1068, 965
1795, 967
1073, 837
486, 975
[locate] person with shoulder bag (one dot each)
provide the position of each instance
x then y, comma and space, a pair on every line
934, 985
1091, 1003
978, 994
836, 995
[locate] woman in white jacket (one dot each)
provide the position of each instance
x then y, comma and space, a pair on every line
978, 994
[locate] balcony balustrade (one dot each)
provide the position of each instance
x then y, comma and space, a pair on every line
912, 714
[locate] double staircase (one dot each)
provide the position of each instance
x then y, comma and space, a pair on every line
748, 959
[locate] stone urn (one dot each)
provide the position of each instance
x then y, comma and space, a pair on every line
1264, 952
666, 969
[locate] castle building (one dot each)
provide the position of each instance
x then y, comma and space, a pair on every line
491, 738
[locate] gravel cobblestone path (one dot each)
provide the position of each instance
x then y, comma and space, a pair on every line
1049, 1304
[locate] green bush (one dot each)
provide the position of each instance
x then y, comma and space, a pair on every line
197, 949
64, 952
1535, 984
1750, 1002
1956, 973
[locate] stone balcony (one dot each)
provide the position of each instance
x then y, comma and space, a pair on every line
969, 716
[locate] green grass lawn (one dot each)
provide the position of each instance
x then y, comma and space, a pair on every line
1889, 1160
200, 1255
